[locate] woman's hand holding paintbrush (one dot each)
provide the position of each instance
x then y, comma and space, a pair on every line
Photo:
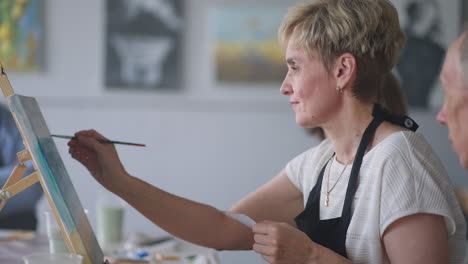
104, 141
100, 159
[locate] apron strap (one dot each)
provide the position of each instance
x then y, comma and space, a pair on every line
403, 121
352, 184
380, 115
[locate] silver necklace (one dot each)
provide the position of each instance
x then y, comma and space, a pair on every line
329, 190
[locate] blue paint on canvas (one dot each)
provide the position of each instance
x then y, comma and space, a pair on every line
58, 183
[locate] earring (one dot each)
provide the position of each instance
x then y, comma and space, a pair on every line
339, 89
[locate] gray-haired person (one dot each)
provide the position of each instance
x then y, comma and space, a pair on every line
454, 112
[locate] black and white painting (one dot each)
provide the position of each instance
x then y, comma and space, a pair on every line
430, 26
143, 44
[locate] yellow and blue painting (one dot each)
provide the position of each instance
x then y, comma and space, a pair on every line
245, 43
55, 179
21, 35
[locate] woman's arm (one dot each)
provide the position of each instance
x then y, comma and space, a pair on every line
195, 222
278, 200
191, 221
277, 239
198, 223
418, 238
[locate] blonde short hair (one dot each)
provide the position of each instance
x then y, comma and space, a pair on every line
367, 29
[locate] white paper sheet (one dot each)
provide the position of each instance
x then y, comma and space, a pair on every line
243, 219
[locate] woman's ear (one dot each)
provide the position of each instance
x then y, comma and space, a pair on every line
345, 70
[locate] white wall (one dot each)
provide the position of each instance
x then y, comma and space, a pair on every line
204, 142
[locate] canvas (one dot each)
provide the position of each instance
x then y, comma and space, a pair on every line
55, 179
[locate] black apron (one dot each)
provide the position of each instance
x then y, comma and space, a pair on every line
331, 233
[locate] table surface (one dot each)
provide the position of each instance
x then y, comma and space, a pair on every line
12, 251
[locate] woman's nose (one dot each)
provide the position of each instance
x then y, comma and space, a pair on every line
286, 88
442, 116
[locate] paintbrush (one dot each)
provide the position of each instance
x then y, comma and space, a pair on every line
103, 141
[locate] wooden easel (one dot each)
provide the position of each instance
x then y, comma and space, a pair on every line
16, 184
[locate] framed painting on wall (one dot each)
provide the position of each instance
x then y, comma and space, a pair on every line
21, 35
430, 26
245, 46
143, 44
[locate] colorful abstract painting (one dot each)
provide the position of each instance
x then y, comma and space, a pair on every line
55, 179
245, 43
21, 35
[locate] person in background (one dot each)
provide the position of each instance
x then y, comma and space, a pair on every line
454, 112
422, 51
372, 192
19, 211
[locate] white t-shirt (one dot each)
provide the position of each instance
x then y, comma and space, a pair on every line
400, 176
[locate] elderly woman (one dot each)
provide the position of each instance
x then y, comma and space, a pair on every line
372, 192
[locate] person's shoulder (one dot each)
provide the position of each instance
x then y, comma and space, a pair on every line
412, 143
404, 141
4, 108
303, 166
7, 123
324, 147
412, 149
401, 146
5, 112
313, 154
